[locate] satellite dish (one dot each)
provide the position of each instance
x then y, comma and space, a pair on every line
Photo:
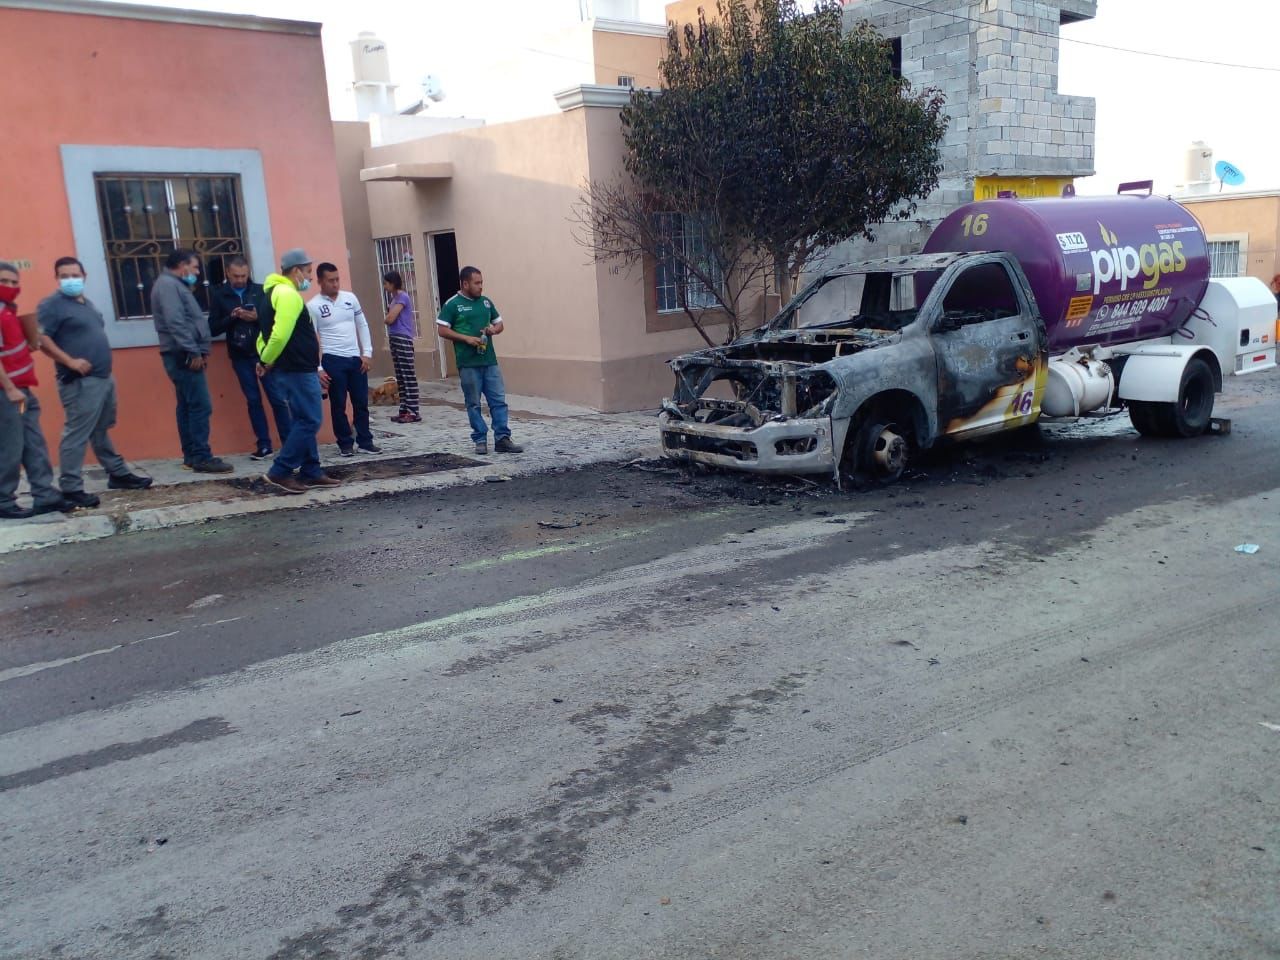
432, 88
1228, 174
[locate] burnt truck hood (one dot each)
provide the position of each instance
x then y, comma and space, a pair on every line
814, 346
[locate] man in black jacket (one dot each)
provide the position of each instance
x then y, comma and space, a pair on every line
233, 310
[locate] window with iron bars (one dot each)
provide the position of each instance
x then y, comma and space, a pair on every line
146, 217
396, 253
682, 241
1224, 258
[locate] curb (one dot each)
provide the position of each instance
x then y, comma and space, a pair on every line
99, 526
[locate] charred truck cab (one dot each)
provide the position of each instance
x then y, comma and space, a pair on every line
853, 376
1015, 310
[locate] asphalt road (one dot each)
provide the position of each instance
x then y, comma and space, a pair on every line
1021, 706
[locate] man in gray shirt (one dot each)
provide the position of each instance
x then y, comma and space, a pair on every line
183, 330
74, 335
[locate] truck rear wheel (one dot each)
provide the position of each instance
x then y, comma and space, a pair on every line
1142, 414
1188, 416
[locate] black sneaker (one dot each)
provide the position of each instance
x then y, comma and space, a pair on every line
262, 453
347, 451
505, 445
128, 481
213, 465
15, 513
370, 448
61, 505
78, 498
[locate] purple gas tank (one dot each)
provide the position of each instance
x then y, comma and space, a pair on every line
1103, 269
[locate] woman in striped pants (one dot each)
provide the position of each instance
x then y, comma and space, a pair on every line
400, 331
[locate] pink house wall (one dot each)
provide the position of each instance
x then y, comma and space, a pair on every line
81, 79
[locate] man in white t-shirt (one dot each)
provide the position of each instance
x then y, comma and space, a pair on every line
345, 352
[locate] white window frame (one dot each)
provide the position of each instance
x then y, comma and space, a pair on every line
1241, 240
395, 252
80, 163
698, 294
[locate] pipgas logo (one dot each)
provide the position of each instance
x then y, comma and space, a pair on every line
1151, 261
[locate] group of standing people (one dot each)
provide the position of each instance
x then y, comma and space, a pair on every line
279, 345
274, 348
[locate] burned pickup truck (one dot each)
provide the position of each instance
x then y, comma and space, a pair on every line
877, 360
852, 377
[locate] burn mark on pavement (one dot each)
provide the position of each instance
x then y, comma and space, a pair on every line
595, 719
510, 856
198, 731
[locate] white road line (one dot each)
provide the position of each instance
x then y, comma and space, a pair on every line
13, 673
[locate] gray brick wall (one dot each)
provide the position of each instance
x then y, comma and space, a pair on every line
997, 63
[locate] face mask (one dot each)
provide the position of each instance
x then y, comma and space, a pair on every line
190, 279
305, 285
9, 294
71, 286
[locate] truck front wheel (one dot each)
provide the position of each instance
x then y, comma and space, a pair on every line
880, 452
1188, 416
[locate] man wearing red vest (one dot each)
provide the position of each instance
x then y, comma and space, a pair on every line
21, 441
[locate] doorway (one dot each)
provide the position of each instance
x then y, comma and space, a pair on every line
444, 284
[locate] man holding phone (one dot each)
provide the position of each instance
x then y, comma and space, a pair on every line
184, 347
233, 310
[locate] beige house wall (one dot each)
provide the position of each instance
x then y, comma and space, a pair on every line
576, 331
350, 140
508, 204
627, 54
1253, 220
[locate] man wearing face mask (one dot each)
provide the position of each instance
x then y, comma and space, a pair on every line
289, 351
22, 443
233, 310
75, 337
184, 347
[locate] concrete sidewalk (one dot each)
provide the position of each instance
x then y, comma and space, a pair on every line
422, 456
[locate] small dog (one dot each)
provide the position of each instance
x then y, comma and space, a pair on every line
385, 395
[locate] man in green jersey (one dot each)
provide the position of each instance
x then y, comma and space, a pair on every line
471, 321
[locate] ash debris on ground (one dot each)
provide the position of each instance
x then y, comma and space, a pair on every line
975, 464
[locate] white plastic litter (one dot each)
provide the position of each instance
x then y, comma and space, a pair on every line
1249, 548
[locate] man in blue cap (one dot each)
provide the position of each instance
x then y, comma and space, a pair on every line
289, 350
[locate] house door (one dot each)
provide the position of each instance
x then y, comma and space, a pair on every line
444, 284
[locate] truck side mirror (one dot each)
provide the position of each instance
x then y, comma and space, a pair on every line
950, 321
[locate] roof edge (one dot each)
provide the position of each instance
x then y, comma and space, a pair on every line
138, 11
592, 95
1234, 195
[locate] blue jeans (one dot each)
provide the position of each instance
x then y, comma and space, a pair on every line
487, 381
246, 369
194, 408
346, 377
299, 451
